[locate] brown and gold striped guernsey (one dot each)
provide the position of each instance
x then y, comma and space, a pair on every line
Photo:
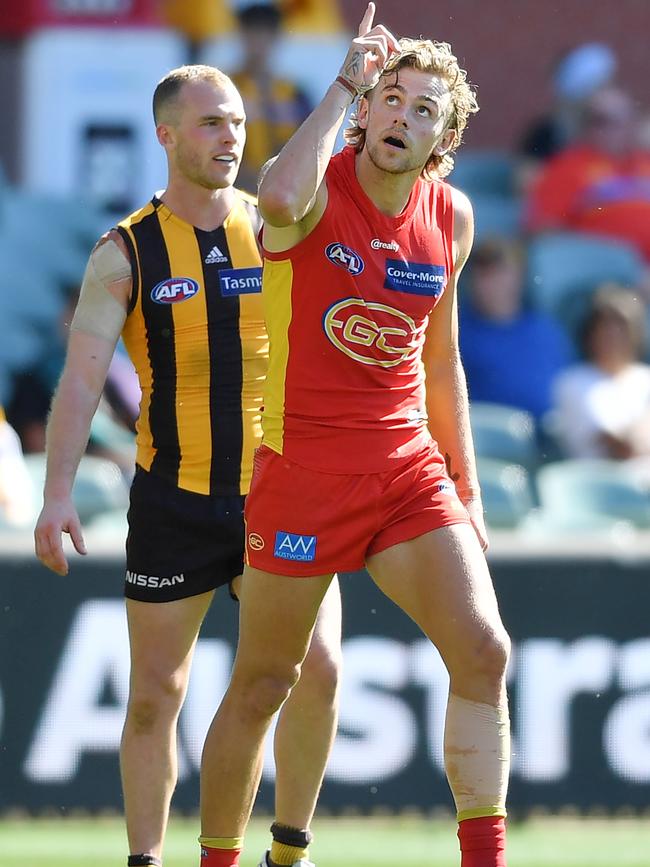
195, 332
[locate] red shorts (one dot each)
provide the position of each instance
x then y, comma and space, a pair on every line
304, 522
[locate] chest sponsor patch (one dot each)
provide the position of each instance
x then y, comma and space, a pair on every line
415, 278
294, 546
240, 281
174, 290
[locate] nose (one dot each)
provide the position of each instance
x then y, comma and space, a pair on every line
400, 118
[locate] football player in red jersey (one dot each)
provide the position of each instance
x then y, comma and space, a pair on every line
367, 457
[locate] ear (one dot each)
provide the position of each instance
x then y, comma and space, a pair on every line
362, 112
165, 135
446, 142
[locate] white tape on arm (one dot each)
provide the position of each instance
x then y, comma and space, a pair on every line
98, 311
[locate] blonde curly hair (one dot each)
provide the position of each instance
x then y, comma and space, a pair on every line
426, 55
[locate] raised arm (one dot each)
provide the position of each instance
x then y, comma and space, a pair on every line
291, 189
447, 400
96, 327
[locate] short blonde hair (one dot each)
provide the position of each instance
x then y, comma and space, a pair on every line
169, 86
436, 58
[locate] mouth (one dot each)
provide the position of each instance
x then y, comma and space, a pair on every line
395, 142
225, 158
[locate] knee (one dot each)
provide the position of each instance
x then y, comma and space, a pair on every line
263, 693
485, 657
321, 674
153, 700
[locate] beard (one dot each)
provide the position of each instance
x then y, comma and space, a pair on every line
190, 165
407, 165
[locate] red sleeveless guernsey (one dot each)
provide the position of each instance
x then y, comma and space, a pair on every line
346, 311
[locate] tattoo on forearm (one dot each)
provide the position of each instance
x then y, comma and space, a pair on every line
354, 63
453, 476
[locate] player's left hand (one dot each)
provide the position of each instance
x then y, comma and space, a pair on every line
475, 511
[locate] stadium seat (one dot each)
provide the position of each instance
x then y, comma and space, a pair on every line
484, 173
589, 493
506, 492
563, 270
496, 216
99, 485
504, 433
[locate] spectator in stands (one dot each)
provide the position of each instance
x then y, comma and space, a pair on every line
17, 495
602, 405
575, 77
601, 184
275, 107
29, 404
511, 354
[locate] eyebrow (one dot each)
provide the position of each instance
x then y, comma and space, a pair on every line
423, 96
224, 116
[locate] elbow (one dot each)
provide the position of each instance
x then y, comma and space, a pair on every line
278, 206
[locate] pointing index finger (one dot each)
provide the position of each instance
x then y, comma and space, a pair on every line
366, 21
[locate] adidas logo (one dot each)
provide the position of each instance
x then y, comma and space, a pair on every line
215, 256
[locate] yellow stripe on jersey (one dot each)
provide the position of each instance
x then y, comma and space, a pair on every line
255, 342
276, 295
133, 333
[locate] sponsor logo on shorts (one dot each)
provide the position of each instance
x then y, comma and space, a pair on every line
369, 332
255, 541
345, 257
294, 546
240, 281
376, 244
415, 278
174, 290
153, 581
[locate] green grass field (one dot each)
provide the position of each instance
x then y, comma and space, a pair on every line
553, 842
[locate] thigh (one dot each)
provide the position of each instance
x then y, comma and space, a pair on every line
162, 637
325, 645
277, 618
441, 580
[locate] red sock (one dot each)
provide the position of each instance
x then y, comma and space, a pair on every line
483, 842
219, 857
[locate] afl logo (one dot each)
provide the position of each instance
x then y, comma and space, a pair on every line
369, 332
255, 541
344, 257
174, 290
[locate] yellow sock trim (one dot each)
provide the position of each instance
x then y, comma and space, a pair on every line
482, 813
287, 855
222, 842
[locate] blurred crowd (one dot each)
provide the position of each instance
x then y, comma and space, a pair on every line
553, 306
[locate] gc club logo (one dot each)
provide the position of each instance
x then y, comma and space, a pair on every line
369, 332
345, 257
174, 290
255, 541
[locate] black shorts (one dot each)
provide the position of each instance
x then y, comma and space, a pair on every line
180, 543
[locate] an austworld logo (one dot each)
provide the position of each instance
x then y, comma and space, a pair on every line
174, 290
415, 277
240, 281
294, 546
345, 257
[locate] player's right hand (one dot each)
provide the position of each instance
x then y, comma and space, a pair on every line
368, 53
57, 517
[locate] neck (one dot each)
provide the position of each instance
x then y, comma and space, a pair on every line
206, 209
388, 192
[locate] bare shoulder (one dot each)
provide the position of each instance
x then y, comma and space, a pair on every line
463, 224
